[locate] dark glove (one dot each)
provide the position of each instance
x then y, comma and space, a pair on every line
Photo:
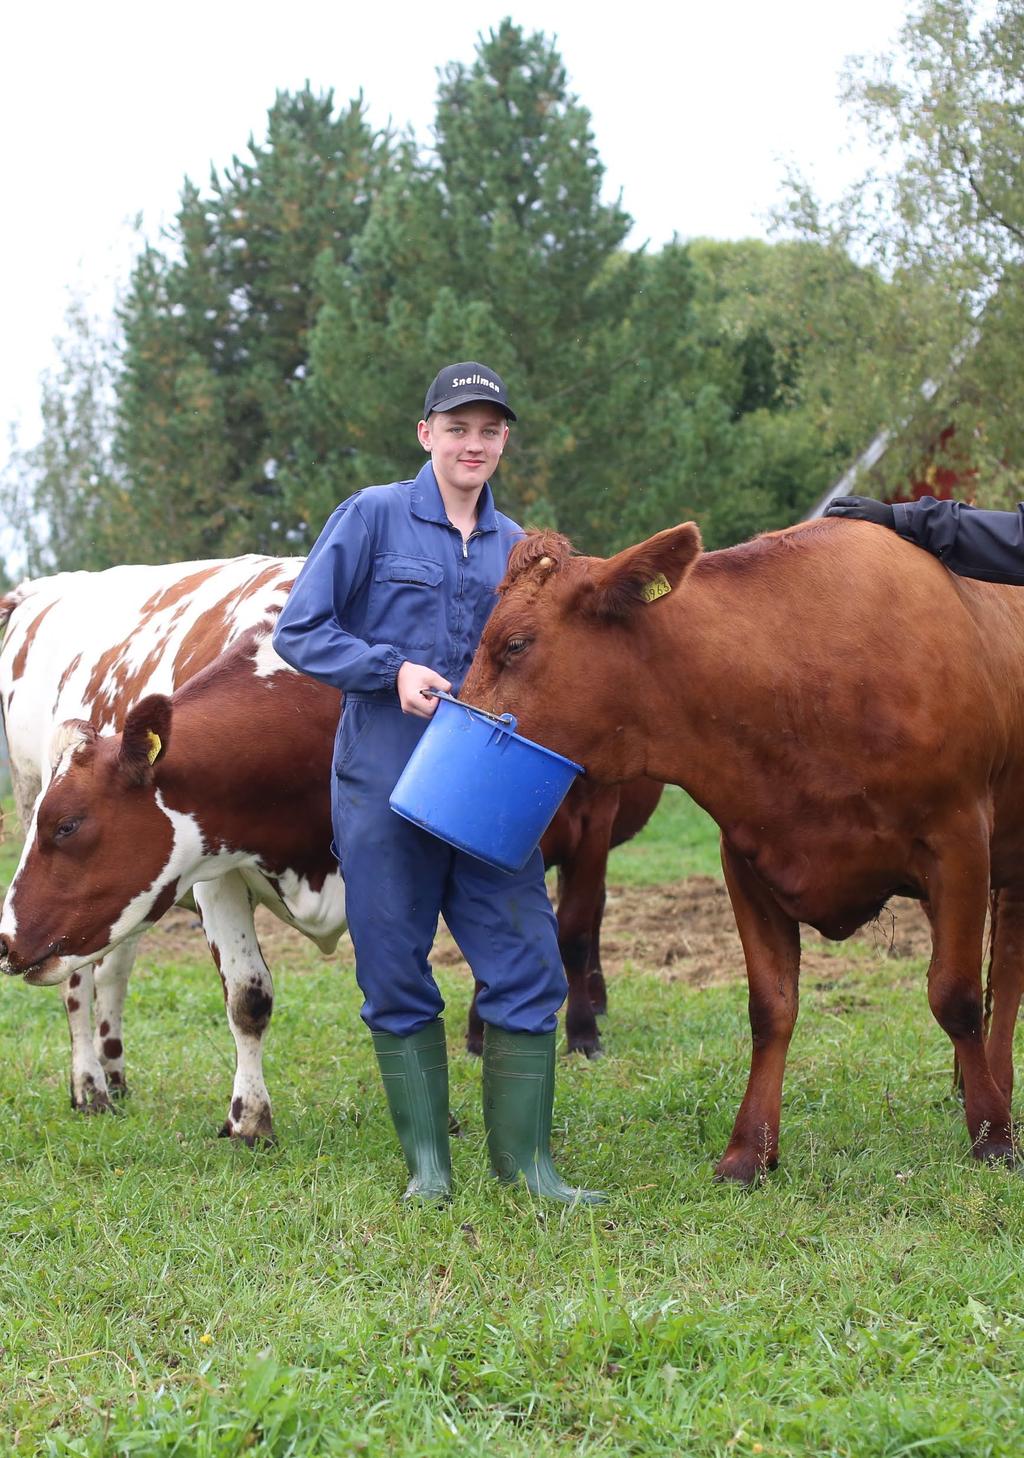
863, 508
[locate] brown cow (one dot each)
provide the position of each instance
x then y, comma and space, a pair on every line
591, 820
849, 712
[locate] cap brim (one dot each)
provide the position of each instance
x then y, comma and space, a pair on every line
471, 397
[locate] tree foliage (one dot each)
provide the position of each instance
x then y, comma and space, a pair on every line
942, 217
63, 497
276, 344
495, 246
214, 430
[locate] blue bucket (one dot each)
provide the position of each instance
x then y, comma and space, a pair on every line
476, 783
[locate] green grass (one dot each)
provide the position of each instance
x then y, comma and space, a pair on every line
166, 1293
679, 840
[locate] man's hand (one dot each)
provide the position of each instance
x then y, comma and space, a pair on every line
412, 681
863, 508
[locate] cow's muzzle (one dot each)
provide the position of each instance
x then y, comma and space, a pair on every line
40, 972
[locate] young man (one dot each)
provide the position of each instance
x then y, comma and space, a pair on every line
390, 604
985, 544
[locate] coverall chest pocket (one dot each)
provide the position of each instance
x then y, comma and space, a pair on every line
405, 601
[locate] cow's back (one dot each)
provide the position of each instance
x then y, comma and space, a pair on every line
87, 645
855, 636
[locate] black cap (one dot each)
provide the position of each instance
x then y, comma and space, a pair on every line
463, 383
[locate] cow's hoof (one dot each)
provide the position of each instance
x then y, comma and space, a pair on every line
997, 1151
475, 1044
590, 1048
454, 1127
251, 1126
91, 1100
741, 1168
116, 1086
583, 1040
261, 1139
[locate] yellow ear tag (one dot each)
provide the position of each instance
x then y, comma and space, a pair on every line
657, 587
155, 745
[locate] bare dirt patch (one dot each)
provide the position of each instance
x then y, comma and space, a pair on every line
684, 932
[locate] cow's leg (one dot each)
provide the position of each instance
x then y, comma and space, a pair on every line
475, 1026
958, 897
1006, 975
226, 909
596, 985
111, 989
581, 882
575, 943
88, 1081
771, 948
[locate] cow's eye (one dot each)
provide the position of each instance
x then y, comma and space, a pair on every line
67, 827
516, 645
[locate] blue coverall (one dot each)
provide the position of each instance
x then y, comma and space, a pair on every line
391, 580
973, 543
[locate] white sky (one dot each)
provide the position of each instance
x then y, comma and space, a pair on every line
105, 107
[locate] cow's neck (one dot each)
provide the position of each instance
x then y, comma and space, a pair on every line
264, 799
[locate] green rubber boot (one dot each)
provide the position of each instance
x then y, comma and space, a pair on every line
519, 1088
415, 1074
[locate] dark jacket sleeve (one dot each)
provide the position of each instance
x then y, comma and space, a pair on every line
988, 545
310, 634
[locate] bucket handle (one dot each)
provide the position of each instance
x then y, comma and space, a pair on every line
506, 722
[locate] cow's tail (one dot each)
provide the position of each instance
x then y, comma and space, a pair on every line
993, 912
986, 1014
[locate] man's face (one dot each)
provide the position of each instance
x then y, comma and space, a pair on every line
465, 445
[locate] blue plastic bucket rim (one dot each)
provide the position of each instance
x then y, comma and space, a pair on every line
506, 724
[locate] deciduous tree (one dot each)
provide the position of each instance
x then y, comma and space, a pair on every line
943, 217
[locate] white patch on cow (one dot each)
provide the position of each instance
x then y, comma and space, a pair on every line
263, 606
226, 909
187, 863
67, 737
319, 915
266, 662
93, 612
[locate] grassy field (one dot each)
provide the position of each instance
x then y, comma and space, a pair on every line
166, 1293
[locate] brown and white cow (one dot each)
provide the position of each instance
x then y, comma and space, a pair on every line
169, 623
85, 646
223, 793
848, 711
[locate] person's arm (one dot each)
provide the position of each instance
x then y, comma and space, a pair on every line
988, 545
985, 544
309, 633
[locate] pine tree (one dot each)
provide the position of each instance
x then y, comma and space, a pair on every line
496, 247
214, 426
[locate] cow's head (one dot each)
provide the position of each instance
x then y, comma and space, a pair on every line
574, 641
103, 853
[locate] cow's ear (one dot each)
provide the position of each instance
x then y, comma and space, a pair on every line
145, 737
640, 575
70, 735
